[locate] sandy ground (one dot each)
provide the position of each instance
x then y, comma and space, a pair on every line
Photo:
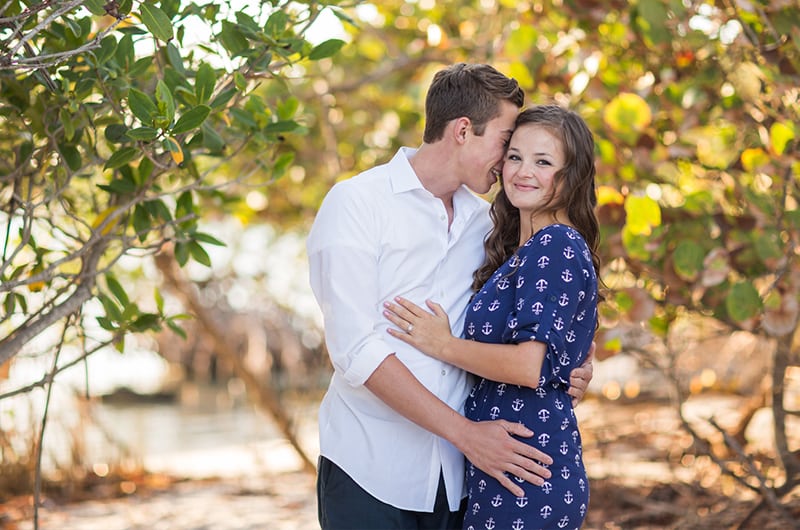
627, 450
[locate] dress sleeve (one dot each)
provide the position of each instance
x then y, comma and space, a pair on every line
551, 282
343, 268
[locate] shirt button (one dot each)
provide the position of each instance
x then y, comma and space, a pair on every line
442, 217
444, 372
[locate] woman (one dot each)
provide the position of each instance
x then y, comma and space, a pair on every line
532, 318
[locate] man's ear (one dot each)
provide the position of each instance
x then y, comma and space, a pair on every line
461, 129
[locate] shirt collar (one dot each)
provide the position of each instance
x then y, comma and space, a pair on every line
403, 178
401, 174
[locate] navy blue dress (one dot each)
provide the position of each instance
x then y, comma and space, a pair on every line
546, 292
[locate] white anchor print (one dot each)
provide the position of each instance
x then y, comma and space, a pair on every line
543, 262
564, 424
563, 300
476, 508
513, 323
544, 415
545, 511
494, 413
501, 389
563, 448
541, 285
571, 336
563, 522
471, 328
487, 328
477, 305
481, 486
547, 487
497, 500
537, 308
489, 524
569, 253
518, 524
494, 305
503, 284
559, 324
544, 439
566, 275
545, 239
520, 281
515, 261
583, 510
563, 358
559, 404
565, 472
522, 502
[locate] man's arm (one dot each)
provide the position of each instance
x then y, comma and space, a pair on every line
488, 445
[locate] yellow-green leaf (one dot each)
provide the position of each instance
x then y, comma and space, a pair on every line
628, 113
174, 148
642, 214
780, 134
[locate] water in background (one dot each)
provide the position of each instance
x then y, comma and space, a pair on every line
201, 430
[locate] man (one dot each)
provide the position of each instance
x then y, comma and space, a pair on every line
392, 434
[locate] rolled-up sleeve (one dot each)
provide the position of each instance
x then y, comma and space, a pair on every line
343, 248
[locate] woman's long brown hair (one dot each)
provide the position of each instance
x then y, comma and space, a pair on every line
574, 184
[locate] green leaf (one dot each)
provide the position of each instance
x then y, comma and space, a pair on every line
166, 103
191, 119
141, 106
207, 238
112, 311
175, 59
115, 132
122, 157
66, 121
141, 222
107, 48
280, 127
742, 302
116, 289
71, 156
95, 7
687, 260
199, 253
326, 49
283, 162
232, 38
181, 253
204, 84
146, 322
176, 328
157, 22
144, 134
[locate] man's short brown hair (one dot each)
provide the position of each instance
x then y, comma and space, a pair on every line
467, 90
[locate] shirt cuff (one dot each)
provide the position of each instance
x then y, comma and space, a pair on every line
365, 361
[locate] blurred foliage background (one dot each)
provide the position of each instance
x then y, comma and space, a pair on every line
133, 129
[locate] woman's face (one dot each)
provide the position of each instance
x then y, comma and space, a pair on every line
533, 157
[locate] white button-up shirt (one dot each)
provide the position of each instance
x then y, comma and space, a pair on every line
378, 235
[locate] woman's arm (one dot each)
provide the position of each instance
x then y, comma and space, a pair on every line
518, 364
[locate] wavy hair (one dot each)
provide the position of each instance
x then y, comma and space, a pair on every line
574, 190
